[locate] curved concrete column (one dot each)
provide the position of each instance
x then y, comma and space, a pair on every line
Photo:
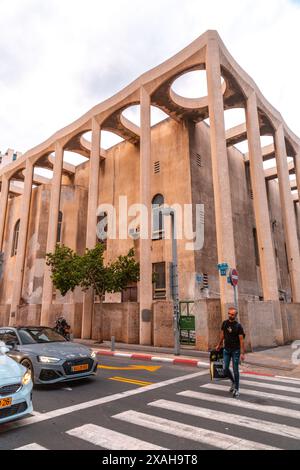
52, 232
220, 171
288, 213
145, 284
260, 203
91, 235
297, 171
3, 207
19, 268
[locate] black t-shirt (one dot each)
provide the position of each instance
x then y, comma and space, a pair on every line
232, 331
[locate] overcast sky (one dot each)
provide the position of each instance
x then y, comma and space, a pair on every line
59, 58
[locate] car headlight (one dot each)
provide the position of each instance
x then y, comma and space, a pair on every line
26, 378
93, 354
48, 360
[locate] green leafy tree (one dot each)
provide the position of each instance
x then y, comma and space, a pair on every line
66, 267
70, 270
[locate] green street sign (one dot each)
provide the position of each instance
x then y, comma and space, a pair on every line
187, 322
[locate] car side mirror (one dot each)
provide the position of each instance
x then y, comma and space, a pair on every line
11, 345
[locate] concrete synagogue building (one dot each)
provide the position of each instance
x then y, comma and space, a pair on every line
251, 209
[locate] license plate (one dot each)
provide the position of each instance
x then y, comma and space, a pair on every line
5, 402
80, 368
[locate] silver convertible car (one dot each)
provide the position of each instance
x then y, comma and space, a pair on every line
48, 356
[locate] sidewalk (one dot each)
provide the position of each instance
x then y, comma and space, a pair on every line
275, 361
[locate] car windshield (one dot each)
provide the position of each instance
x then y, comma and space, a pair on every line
40, 335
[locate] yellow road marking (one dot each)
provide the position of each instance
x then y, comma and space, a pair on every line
140, 383
148, 368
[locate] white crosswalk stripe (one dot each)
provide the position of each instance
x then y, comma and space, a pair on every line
32, 446
245, 421
109, 439
291, 380
255, 393
276, 410
281, 388
230, 412
198, 434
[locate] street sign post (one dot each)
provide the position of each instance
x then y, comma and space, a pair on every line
234, 280
168, 211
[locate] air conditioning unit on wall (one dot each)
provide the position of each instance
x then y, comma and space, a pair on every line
134, 233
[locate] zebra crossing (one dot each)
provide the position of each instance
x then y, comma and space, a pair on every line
266, 417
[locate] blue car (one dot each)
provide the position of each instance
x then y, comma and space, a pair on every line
15, 388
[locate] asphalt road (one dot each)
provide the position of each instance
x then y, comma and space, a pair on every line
142, 405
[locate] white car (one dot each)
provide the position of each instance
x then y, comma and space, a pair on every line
15, 388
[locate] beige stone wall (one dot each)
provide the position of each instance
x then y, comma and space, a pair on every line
243, 218
180, 180
118, 320
208, 321
163, 333
73, 206
291, 321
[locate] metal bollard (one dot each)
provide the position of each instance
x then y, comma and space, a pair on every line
112, 343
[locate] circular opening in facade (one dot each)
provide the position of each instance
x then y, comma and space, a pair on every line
133, 114
191, 85
108, 139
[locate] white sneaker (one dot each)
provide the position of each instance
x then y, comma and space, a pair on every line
236, 394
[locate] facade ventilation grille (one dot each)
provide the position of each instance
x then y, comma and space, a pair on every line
157, 167
199, 159
205, 281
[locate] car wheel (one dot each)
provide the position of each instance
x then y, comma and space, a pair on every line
28, 364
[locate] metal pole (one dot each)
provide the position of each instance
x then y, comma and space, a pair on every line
235, 297
176, 312
112, 343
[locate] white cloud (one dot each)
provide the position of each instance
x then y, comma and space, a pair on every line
61, 57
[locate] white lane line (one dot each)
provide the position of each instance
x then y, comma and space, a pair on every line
101, 401
109, 439
276, 410
228, 418
295, 379
257, 394
204, 436
281, 388
32, 446
278, 379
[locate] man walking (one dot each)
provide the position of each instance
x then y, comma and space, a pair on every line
232, 335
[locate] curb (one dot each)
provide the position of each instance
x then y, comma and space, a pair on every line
177, 361
149, 357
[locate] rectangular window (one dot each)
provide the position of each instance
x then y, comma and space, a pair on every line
248, 179
256, 249
159, 287
129, 294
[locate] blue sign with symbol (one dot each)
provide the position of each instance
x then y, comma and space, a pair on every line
223, 268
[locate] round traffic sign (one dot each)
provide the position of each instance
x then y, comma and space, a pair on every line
234, 276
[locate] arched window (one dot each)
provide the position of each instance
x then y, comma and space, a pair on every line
157, 217
15, 242
59, 227
102, 227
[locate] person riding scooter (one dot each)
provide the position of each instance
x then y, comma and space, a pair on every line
63, 328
